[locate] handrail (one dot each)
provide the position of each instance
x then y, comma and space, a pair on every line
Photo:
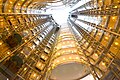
24, 14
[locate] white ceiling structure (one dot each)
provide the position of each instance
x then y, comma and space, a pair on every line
69, 71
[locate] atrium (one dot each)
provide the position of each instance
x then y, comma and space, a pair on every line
59, 39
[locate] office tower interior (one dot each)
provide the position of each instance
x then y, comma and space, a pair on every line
80, 44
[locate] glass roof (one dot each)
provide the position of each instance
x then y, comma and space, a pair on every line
60, 12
